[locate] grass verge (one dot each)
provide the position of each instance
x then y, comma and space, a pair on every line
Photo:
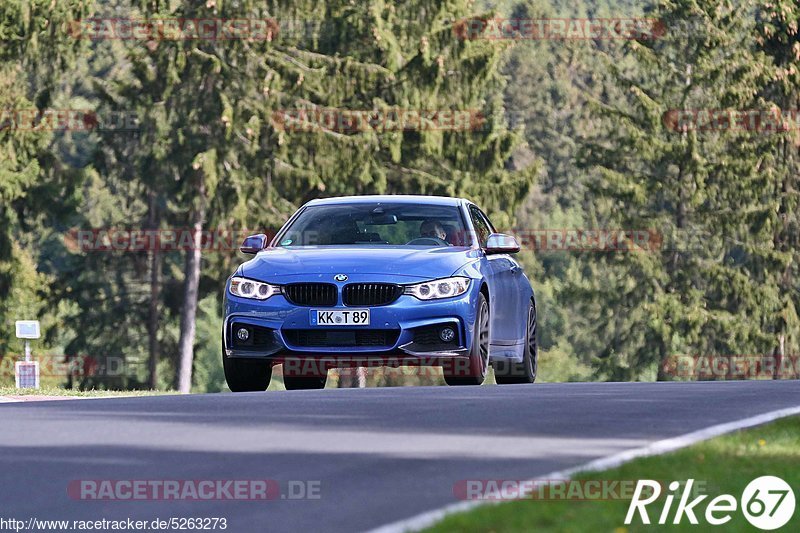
57, 391
724, 465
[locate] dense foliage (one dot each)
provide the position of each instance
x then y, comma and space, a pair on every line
567, 134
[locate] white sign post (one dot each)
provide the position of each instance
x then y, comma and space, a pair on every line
26, 373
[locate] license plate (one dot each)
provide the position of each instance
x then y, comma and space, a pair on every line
352, 317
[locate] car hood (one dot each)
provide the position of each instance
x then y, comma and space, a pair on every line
411, 262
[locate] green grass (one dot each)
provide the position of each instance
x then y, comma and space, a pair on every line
726, 464
57, 391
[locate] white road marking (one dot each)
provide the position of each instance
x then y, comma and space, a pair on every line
429, 518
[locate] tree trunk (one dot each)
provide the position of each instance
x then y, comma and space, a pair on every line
155, 294
190, 295
777, 360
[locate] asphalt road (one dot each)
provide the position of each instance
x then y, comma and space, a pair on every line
379, 455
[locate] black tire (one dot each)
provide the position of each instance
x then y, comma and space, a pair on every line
246, 375
479, 354
304, 382
510, 372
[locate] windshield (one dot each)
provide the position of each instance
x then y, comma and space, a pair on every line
373, 224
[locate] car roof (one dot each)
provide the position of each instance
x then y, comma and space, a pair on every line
389, 198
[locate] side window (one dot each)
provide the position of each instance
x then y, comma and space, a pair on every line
481, 226
488, 222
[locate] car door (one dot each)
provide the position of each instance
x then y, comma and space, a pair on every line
501, 280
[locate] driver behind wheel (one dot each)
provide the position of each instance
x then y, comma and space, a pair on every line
432, 229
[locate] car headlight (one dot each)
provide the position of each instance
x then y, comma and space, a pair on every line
438, 288
247, 288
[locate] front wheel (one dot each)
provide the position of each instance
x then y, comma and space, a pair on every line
509, 372
246, 375
479, 355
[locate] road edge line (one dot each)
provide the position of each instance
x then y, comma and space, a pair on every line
45, 399
429, 518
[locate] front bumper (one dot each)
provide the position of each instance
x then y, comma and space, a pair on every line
282, 330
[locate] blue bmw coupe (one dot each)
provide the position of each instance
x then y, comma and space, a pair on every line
411, 280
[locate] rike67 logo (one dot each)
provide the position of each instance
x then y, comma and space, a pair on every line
767, 502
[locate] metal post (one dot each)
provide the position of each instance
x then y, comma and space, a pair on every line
26, 373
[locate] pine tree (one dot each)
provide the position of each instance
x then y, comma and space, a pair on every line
649, 174
779, 220
35, 52
214, 142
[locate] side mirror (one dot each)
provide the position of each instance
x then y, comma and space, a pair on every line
499, 243
253, 244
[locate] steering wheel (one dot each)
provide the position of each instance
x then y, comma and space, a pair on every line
427, 241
